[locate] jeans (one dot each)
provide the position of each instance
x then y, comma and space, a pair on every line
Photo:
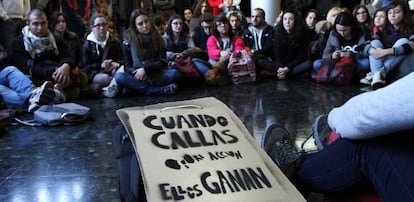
390, 62
150, 86
15, 87
347, 167
267, 64
202, 66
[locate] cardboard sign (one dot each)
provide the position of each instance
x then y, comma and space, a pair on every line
198, 150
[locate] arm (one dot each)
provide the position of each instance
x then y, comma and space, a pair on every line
238, 44
87, 63
212, 49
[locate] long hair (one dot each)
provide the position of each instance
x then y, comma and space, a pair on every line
197, 8
406, 27
184, 32
298, 34
135, 37
223, 19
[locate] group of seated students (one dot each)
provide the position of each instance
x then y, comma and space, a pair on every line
138, 61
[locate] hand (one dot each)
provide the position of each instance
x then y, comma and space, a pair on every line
140, 74
282, 72
106, 65
380, 53
336, 54
62, 75
345, 54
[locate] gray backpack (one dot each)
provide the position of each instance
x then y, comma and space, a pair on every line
59, 114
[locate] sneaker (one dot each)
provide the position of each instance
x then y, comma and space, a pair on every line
170, 89
321, 131
59, 94
41, 96
367, 80
277, 143
378, 80
111, 91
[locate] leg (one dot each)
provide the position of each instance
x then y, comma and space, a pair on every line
301, 68
202, 66
317, 64
392, 61
102, 79
348, 166
375, 64
14, 80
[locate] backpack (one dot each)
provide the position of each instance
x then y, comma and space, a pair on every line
59, 114
241, 67
338, 71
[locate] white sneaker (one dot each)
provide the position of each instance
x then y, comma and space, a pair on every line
367, 80
378, 80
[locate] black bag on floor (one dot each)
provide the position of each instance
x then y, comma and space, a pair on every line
131, 187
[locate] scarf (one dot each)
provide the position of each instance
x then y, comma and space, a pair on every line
35, 45
91, 37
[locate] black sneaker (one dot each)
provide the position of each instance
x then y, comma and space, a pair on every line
277, 143
321, 131
170, 89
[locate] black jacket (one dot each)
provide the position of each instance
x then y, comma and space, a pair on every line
43, 65
93, 55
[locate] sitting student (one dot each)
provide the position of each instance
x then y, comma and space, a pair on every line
36, 52
323, 28
379, 21
374, 149
235, 22
290, 47
159, 24
102, 56
17, 89
343, 41
200, 8
390, 46
259, 39
311, 18
145, 60
363, 18
220, 45
73, 44
188, 14
176, 38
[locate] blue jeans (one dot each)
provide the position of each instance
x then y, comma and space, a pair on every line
147, 87
202, 66
390, 61
15, 87
347, 167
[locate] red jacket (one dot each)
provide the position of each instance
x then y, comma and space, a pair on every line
214, 50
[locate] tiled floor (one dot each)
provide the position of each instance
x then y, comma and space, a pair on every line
76, 163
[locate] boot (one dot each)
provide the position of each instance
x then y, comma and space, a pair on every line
217, 69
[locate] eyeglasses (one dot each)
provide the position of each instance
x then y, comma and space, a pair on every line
100, 25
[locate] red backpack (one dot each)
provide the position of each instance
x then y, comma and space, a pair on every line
339, 71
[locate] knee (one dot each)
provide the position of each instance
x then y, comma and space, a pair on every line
10, 69
400, 42
376, 43
102, 79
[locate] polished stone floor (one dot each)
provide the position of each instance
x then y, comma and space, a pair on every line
77, 163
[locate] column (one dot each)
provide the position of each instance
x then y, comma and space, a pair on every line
271, 8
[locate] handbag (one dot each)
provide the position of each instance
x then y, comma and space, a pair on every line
337, 71
241, 67
186, 67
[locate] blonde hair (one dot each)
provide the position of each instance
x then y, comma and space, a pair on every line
333, 11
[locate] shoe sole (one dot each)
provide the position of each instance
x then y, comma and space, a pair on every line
316, 136
267, 140
45, 98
